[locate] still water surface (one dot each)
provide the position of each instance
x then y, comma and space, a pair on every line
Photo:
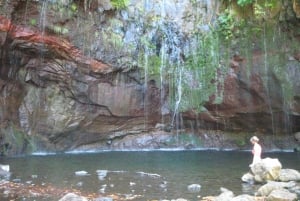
152, 174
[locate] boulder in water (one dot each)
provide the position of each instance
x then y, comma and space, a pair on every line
4, 171
289, 175
266, 170
5, 167
248, 178
226, 195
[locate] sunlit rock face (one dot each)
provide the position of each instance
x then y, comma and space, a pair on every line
73, 78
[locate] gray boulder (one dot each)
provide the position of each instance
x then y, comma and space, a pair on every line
289, 175
282, 195
243, 197
297, 136
266, 189
266, 170
248, 178
226, 195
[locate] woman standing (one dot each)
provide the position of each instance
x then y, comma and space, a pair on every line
256, 150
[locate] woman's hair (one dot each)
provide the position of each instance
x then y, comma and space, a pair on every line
254, 139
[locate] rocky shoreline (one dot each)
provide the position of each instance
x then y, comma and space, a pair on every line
185, 139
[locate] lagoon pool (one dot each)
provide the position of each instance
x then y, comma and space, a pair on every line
140, 175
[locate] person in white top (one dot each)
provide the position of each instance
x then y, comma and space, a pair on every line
256, 150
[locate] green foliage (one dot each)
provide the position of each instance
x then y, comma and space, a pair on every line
74, 7
259, 9
148, 59
64, 10
266, 9
59, 29
226, 24
119, 4
243, 3
155, 63
240, 142
199, 75
184, 139
146, 43
265, 4
33, 22
191, 82
238, 15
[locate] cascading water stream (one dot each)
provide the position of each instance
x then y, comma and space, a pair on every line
173, 43
37, 105
162, 67
179, 95
146, 67
162, 78
43, 16
26, 10
266, 66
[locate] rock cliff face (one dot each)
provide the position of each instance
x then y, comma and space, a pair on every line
72, 78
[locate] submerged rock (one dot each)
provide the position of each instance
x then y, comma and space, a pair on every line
104, 199
101, 174
73, 197
194, 188
81, 173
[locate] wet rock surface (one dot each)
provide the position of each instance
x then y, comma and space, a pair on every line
64, 88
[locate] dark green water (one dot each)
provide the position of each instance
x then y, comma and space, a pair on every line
153, 174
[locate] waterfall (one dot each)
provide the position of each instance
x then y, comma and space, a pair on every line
162, 67
179, 94
162, 79
146, 108
43, 16
266, 66
26, 10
